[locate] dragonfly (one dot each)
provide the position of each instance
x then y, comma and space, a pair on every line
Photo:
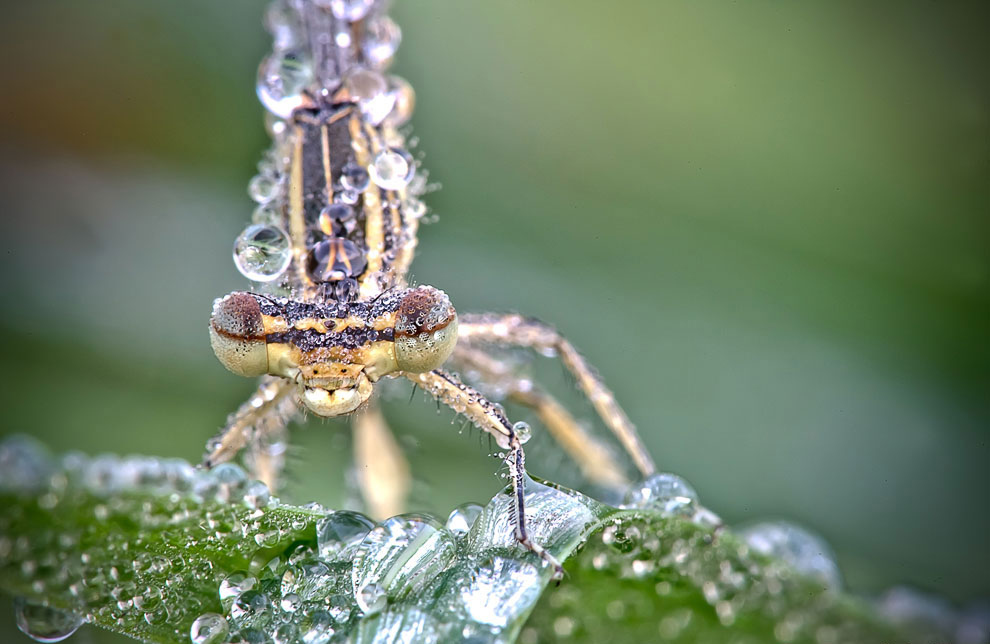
332, 312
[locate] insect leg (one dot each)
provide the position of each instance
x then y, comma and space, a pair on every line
382, 470
595, 459
260, 422
489, 417
516, 330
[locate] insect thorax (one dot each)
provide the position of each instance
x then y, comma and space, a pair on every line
338, 190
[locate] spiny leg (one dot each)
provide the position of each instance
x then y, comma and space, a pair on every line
516, 330
260, 422
489, 417
382, 470
596, 461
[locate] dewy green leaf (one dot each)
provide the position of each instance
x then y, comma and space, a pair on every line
161, 552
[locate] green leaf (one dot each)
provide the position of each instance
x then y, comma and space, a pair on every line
144, 547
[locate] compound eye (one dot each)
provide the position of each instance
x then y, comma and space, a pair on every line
237, 334
425, 330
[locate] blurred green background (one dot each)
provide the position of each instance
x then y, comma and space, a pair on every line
766, 223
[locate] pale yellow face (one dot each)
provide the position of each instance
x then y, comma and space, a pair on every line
336, 375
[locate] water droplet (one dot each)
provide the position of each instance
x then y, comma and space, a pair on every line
266, 215
42, 623
282, 78
281, 23
209, 628
262, 253
335, 259
497, 589
286, 634
371, 598
413, 208
291, 602
369, 90
354, 178
248, 604
346, 290
149, 599
251, 635
263, 188
309, 579
402, 554
24, 464
348, 196
706, 518
350, 10
234, 585
256, 495
338, 534
808, 553
461, 518
621, 538
668, 493
381, 40
266, 538
563, 626
523, 431
392, 169
405, 101
317, 627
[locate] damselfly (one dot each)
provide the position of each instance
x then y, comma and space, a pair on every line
329, 249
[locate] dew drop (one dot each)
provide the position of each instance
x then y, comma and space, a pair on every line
334, 259
348, 196
369, 90
668, 493
381, 40
282, 78
262, 253
338, 534
405, 101
24, 464
209, 628
262, 188
808, 553
256, 495
248, 604
42, 623
371, 598
308, 579
234, 585
354, 178
350, 10
523, 431
290, 603
413, 208
149, 599
461, 518
402, 554
266, 215
392, 169
318, 627
287, 633
280, 22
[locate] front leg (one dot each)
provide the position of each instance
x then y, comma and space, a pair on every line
490, 418
595, 459
516, 330
259, 424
